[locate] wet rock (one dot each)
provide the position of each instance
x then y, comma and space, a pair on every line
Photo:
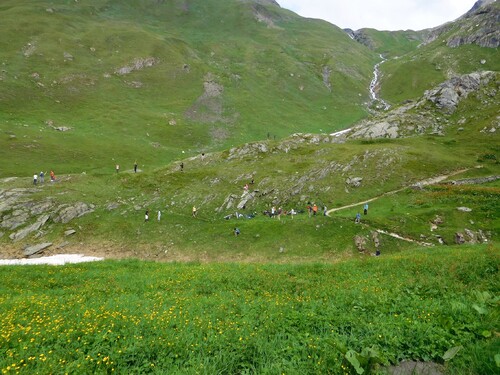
32, 250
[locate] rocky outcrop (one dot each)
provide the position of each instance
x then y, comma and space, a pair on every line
208, 108
447, 95
470, 237
22, 215
67, 214
416, 118
478, 26
23, 233
137, 64
474, 181
35, 249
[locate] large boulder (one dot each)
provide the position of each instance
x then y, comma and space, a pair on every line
35, 249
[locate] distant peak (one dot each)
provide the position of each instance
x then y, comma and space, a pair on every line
265, 2
481, 3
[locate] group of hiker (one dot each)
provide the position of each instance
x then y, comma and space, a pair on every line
40, 178
117, 167
357, 220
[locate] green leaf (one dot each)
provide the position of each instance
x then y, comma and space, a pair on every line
351, 356
450, 353
481, 310
486, 333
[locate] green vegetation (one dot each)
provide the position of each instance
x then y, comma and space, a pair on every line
60, 67
161, 82
437, 305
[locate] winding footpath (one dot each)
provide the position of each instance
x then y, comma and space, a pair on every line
428, 181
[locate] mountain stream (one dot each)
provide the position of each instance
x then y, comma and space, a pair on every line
375, 83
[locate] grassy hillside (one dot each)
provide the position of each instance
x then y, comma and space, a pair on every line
148, 79
390, 43
290, 173
466, 45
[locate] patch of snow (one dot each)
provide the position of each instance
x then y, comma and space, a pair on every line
339, 133
54, 260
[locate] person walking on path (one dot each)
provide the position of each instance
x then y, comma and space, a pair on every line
117, 167
324, 210
135, 166
182, 167
146, 216
365, 209
194, 211
358, 218
42, 177
236, 232
52, 176
35, 179
315, 209
159, 215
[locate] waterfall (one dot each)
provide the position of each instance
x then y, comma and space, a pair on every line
374, 83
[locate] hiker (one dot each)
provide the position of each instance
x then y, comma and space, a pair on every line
365, 209
315, 209
135, 166
236, 232
358, 218
42, 177
52, 176
324, 210
309, 209
377, 252
182, 166
280, 211
202, 156
273, 211
194, 211
245, 188
293, 213
35, 179
146, 216
159, 215
117, 167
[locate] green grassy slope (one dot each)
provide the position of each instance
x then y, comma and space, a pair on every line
60, 61
390, 43
288, 173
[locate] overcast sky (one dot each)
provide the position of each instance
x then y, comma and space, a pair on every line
381, 14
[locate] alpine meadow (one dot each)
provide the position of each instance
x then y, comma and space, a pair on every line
259, 193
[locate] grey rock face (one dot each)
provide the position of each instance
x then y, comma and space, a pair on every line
448, 94
69, 213
32, 250
19, 235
